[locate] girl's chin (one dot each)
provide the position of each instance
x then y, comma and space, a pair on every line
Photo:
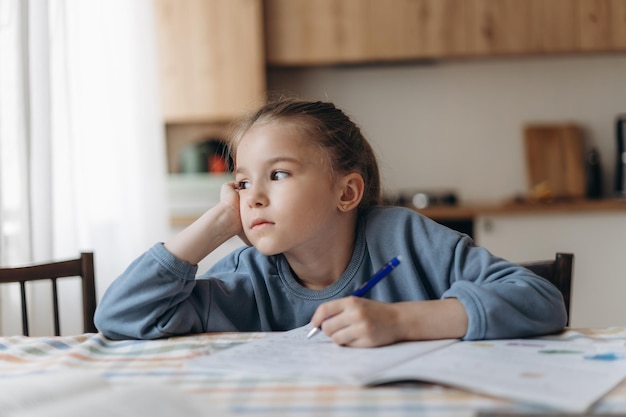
265, 249
268, 252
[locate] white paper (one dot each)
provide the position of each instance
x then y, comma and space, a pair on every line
292, 354
556, 374
553, 373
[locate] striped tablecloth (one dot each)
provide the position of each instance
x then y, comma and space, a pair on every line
165, 361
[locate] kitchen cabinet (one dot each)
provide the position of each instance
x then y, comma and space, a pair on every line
552, 26
598, 281
496, 27
538, 26
602, 25
618, 24
302, 32
212, 64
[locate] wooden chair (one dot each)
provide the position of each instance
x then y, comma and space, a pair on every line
558, 271
82, 267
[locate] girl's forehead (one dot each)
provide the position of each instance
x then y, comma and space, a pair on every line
275, 139
279, 133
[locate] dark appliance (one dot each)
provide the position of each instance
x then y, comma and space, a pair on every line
620, 166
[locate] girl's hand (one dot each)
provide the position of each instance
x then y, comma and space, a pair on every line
229, 196
359, 322
209, 231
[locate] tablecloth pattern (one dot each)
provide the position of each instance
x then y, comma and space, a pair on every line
165, 361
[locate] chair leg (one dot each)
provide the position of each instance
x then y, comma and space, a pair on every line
55, 308
24, 309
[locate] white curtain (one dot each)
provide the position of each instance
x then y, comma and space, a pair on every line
80, 124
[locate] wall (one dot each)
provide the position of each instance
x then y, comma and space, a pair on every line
458, 124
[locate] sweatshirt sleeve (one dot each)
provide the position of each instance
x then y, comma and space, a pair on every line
151, 299
502, 299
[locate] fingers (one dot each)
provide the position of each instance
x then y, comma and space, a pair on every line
229, 194
357, 322
229, 197
326, 310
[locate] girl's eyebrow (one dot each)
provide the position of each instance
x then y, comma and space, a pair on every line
283, 159
272, 161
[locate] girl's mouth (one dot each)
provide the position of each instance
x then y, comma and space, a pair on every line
258, 223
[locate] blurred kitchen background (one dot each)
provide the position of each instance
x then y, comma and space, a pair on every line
469, 104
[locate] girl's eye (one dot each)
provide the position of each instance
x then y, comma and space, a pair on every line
279, 175
243, 185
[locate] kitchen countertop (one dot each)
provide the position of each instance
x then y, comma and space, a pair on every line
470, 211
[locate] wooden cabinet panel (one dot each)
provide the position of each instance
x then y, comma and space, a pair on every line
618, 24
594, 22
304, 32
211, 58
439, 27
498, 27
545, 26
552, 25
414, 29
602, 25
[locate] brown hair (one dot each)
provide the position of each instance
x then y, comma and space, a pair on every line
331, 129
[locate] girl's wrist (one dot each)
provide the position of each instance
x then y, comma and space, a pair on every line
227, 217
209, 231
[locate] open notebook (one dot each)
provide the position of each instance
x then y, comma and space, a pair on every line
560, 375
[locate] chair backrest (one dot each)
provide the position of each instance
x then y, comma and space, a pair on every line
558, 271
82, 267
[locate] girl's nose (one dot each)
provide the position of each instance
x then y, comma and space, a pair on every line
257, 197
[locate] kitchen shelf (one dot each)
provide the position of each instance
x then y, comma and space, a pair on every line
464, 212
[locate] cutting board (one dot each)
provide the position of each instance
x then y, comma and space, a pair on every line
554, 158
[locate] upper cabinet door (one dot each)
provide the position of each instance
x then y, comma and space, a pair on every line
602, 25
618, 24
497, 27
305, 32
318, 32
211, 56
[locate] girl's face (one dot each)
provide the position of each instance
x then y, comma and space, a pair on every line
287, 198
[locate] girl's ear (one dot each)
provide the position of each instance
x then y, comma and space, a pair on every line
351, 192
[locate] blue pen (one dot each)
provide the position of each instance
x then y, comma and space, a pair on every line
363, 289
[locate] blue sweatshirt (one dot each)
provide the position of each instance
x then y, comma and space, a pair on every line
159, 295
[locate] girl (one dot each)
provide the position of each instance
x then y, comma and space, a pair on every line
305, 199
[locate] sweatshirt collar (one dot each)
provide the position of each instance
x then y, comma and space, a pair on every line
339, 286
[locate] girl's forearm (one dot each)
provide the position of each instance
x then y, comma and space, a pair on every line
206, 234
433, 319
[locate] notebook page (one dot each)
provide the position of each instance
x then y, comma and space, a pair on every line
292, 354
